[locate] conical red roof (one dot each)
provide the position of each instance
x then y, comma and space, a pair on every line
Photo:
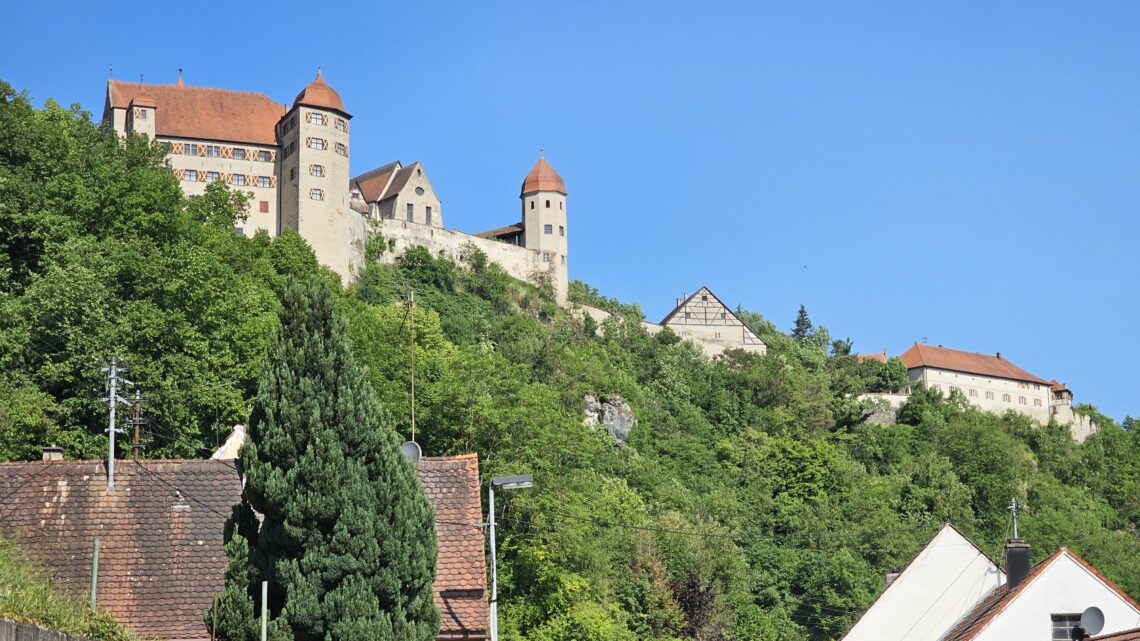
543, 178
320, 95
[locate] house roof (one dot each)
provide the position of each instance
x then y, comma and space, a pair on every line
202, 113
708, 292
966, 362
373, 182
1126, 635
1056, 386
320, 95
161, 561
400, 180
505, 230
878, 356
542, 177
997, 601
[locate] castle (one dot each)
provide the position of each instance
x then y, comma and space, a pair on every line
294, 160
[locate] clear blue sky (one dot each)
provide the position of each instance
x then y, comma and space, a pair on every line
967, 173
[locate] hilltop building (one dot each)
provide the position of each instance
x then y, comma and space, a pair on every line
706, 321
295, 161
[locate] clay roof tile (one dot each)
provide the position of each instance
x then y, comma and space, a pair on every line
920, 355
543, 178
202, 113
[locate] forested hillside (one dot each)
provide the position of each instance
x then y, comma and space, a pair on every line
750, 502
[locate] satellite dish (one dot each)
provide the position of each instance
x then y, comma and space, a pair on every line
411, 449
1092, 620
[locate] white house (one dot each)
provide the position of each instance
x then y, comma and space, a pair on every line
946, 580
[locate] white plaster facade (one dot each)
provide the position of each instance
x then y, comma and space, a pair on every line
992, 394
1065, 586
945, 581
708, 322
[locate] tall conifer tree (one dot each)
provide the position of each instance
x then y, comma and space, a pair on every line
347, 541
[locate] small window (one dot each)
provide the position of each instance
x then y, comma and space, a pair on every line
936, 387
563, 259
212, 176
704, 298
265, 206
317, 119
142, 114
973, 393
191, 175
263, 181
688, 315
548, 229
723, 315
191, 149
317, 170
213, 151
1063, 625
560, 204
239, 231
548, 204
239, 179
989, 396
561, 230
166, 147
341, 149
428, 215
239, 154
317, 194
1005, 398
532, 204
1036, 402
546, 257
419, 191
263, 155
411, 212
292, 173
317, 143
341, 124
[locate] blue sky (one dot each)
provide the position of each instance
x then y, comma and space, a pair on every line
966, 173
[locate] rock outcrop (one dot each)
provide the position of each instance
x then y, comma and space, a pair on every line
613, 413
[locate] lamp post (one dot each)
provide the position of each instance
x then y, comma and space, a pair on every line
517, 482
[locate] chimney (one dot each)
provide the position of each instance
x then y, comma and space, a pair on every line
1016, 561
53, 453
685, 296
999, 355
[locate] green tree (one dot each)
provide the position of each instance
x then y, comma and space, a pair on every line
347, 541
803, 326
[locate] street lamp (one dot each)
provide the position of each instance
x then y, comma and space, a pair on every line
517, 482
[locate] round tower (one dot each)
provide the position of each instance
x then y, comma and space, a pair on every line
544, 222
314, 177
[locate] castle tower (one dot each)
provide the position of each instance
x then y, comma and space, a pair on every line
314, 197
544, 221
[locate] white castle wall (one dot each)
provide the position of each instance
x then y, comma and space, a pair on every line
518, 262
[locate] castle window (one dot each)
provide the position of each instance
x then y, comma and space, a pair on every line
429, 215
704, 298
723, 316
411, 213
1005, 398
191, 175
263, 155
341, 124
989, 396
560, 204
973, 393
341, 149
263, 181
532, 204
238, 179
317, 194
142, 114
561, 230
563, 259
548, 204
166, 147
1036, 402
1021, 400
317, 119
265, 206
292, 173
239, 154
546, 257
191, 149
688, 315
317, 170
548, 229
213, 151
317, 143
212, 176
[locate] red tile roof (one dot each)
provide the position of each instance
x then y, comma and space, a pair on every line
500, 232
966, 362
161, 560
989, 608
880, 356
320, 95
372, 183
543, 178
202, 113
1056, 386
1126, 635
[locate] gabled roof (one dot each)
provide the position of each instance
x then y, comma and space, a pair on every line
920, 355
161, 561
505, 230
1126, 635
400, 180
542, 177
373, 183
878, 356
931, 592
1056, 386
997, 601
701, 291
202, 113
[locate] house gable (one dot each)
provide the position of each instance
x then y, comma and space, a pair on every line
944, 581
703, 315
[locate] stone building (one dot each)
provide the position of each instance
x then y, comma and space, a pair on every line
295, 161
706, 321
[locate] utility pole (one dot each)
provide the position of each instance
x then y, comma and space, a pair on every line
412, 349
113, 399
1014, 508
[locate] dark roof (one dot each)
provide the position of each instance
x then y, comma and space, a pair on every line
500, 232
372, 183
996, 601
161, 561
1126, 635
202, 113
399, 181
966, 362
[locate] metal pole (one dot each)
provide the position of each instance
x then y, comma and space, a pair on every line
412, 349
111, 428
264, 608
138, 418
94, 571
494, 564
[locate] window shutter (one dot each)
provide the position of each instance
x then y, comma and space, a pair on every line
227, 152
273, 156
202, 150
177, 148
180, 173
201, 176
229, 178
273, 181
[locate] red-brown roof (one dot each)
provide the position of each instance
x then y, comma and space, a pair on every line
1056, 386
161, 561
501, 232
320, 95
372, 183
880, 356
1126, 635
543, 178
996, 602
202, 113
966, 362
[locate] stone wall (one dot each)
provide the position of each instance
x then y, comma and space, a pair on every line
14, 631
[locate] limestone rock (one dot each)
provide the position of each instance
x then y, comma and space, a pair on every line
613, 413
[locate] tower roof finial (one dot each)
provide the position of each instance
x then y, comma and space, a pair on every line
180, 83
320, 76
541, 152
